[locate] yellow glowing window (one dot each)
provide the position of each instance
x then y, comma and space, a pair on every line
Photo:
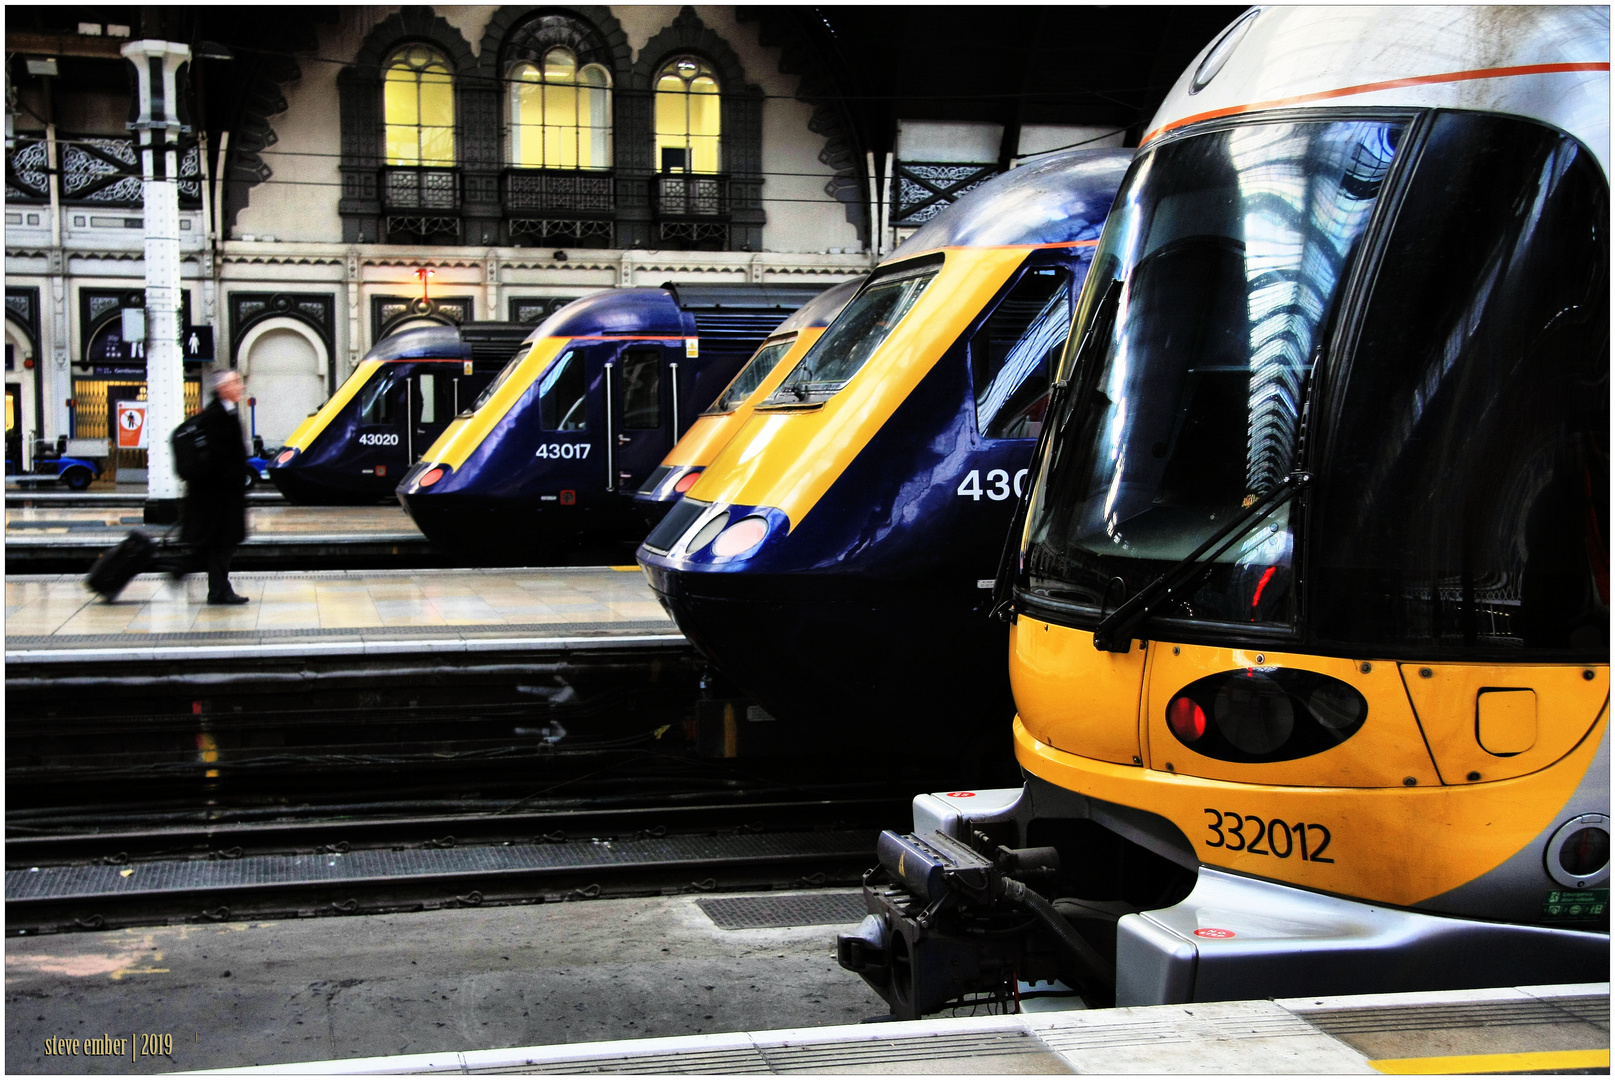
418, 102
687, 124
11, 413
560, 114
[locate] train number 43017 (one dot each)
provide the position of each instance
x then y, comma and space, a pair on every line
1307, 839
998, 486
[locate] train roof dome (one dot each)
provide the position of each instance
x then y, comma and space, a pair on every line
647, 312
421, 343
822, 308
1550, 63
1054, 200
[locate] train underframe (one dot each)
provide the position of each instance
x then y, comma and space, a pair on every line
998, 888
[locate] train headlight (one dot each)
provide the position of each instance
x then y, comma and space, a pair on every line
1186, 719
1578, 854
740, 537
1265, 714
687, 481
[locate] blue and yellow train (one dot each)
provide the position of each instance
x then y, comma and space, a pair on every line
733, 406
558, 443
357, 445
835, 559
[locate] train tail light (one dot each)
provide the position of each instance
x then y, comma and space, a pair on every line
1187, 719
430, 477
687, 481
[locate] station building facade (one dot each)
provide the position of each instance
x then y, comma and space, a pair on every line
524, 156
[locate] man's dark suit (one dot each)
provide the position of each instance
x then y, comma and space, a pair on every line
215, 517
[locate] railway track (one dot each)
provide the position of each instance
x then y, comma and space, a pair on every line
93, 881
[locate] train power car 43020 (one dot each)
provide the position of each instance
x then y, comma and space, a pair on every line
831, 559
1311, 602
728, 413
557, 445
359, 444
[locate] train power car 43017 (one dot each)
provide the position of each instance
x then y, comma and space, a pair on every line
728, 413
1311, 601
831, 560
601, 390
357, 446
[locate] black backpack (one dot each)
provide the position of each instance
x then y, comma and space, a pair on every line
189, 443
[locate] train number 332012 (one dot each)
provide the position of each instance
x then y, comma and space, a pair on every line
1307, 839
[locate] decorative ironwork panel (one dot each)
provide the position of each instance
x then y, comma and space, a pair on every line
570, 228
27, 179
387, 312
421, 225
925, 189
694, 231
411, 188
554, 192
692, 195
533, 310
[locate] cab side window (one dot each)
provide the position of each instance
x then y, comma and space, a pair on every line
562, 401
642, 389
376, 400
1013, 351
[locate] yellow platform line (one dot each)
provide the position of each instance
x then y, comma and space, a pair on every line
1533, 1061
633, 568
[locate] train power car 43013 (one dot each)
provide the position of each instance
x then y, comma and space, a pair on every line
728, 413
360, 443
601, 390
1311, 601
831, 559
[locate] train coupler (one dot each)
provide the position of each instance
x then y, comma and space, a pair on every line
950, 921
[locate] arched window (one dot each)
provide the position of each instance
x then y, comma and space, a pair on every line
418, 108
560, 114
687, 123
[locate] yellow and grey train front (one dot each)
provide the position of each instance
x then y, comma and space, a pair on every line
1310, 613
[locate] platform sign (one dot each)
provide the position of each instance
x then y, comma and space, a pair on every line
131, 425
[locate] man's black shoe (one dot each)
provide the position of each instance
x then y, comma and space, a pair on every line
233, 598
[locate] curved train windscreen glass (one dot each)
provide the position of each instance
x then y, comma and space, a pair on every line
1230, 249
504, 375
751, 376
562, 395
1010, 356
376, 399
1464, 501
854, 336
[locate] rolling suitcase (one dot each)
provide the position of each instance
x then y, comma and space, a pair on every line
112, 571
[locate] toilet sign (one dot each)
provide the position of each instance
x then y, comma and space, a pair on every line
131, 425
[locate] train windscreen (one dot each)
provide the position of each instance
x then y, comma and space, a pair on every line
1229, 249
751, 376
855, 335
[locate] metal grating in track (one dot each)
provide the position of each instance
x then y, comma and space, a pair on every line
760, 912
389, 633
1478, 1014
988, 1049
55, 883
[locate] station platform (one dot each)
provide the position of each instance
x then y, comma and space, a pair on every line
1523, 1029
65, 532
55, 619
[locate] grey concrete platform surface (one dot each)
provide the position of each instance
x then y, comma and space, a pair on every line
238, 994
1520, 1029
53, 618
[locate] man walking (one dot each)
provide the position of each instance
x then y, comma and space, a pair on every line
215, 516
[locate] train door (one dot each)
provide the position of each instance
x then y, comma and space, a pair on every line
382, 433
13, 426
432, 392
640, 432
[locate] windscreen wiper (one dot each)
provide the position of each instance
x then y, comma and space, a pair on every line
1100, 329
1115, 631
